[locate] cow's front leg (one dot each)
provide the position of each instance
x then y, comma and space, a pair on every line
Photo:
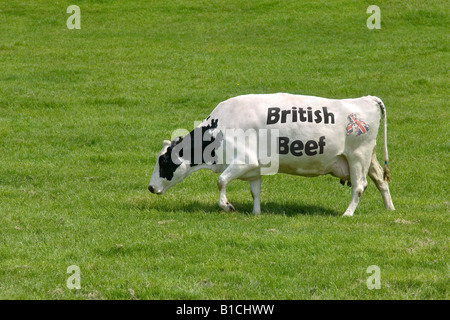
223, 201
233, 171
255, 188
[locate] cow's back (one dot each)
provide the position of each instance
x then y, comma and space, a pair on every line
251, 111
313, 131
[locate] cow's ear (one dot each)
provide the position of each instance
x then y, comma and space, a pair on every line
166, 143
176, 141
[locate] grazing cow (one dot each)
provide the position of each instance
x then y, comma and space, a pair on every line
248, 136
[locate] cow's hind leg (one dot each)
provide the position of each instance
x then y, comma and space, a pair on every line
359, 167
377, 175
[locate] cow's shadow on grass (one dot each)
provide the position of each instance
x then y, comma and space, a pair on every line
293, 209
245, 208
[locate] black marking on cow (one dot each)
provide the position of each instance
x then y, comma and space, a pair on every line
213, 124
207, 139
166, 165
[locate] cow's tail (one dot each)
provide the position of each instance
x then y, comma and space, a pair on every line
387, 173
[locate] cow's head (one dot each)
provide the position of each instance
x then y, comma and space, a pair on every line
170, 168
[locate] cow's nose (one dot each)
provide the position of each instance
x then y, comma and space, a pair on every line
151, 189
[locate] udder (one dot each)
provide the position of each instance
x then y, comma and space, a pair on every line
340, 168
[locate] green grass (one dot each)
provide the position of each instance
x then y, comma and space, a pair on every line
83, 114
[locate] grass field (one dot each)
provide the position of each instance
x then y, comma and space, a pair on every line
83, 114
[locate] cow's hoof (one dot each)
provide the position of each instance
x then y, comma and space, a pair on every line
347, 214
227, 207
230, 207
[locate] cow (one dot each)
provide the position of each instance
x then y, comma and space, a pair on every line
306, 136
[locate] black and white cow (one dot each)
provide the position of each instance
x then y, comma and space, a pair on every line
248, 136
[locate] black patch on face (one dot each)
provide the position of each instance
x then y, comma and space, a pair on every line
166, 165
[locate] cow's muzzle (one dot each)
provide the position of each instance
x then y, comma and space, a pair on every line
152, 189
